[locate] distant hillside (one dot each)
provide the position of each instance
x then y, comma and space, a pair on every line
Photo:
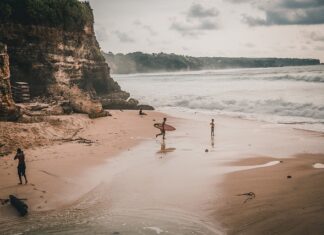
138, 62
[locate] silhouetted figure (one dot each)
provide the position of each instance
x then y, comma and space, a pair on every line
141, 112
212, 127
21, 165
162, 129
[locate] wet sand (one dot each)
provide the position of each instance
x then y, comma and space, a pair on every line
289, 197
54, 170
175, 186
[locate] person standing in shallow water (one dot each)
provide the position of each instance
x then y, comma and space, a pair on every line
21, 165
212, 127
162, 129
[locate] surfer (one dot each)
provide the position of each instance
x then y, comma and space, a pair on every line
162, 129
21, 165
212, 127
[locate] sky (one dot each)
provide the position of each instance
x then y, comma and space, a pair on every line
231, 28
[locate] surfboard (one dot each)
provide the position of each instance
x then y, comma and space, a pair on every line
166, 127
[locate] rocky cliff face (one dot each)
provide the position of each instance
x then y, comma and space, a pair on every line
60, 63
8, 109
44, 56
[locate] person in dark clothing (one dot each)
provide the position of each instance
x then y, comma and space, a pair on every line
141, 112
162, 129
21, 165
212, 127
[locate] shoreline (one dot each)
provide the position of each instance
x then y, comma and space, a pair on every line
55, 168
67, 174
288, 197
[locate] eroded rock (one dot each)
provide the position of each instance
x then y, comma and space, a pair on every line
8, 110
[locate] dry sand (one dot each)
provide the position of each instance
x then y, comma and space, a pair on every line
282, 205
55, 166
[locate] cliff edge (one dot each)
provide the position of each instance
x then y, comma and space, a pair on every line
53, 47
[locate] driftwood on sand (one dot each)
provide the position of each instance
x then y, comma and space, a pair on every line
17, 203
79, 140
73, 138
250, 196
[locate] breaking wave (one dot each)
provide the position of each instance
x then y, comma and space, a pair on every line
287, 95
286, 74
272, 106
303, 78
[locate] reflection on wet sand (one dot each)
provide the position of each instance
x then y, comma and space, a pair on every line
164, 149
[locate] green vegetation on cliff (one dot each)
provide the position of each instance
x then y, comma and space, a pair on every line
70, 15
139, 62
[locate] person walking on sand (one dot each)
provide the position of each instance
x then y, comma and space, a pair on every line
21, 165
162, 129
212, 127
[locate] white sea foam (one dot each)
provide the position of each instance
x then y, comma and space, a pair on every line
318, 165
288, 95
272, 163
155, 229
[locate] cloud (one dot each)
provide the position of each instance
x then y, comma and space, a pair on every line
193, 29
197, 20
101, 33
137, 22
198, 11
240, 1
150, 30
123, 37
249, 45
287, 12
315, 36
145, 27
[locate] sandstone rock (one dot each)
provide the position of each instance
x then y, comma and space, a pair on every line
119, 103
98, 115
145, 107
60, 63
8, 110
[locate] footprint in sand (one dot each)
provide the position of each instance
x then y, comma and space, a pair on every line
45, 201
39, 207
41, 196
43, 191
32, 184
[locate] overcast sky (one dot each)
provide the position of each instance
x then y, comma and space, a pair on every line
238, 28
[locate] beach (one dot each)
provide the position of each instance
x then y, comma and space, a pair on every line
55, 164
288, 197
262, 172
127, 180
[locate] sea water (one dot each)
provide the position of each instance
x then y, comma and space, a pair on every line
284, 95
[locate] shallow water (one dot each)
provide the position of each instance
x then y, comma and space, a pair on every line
146, 191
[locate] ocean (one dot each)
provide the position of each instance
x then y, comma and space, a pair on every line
148, 190
285, 95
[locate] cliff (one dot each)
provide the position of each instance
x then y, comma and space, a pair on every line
59, 57
8, 109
